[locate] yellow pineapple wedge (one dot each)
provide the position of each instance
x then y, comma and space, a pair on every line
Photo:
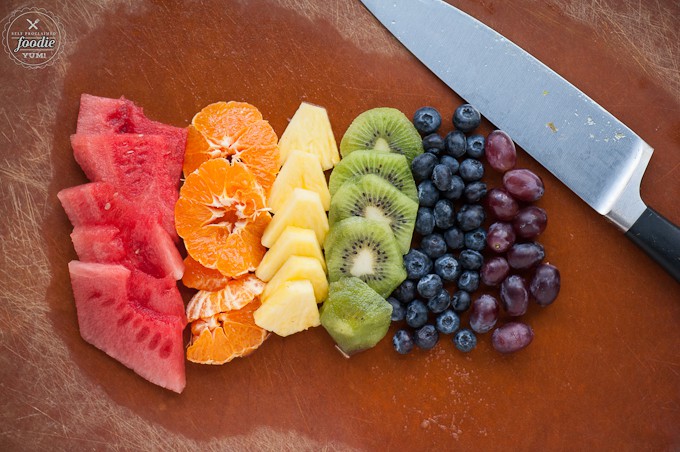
292, 241
290, 309
310, 131
301, 170
304, 210
300, 268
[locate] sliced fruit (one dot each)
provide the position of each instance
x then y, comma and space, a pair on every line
366, 249
310, 131
374, 198
290, 309
355, 316
394, 168
382, 129
225, 336
221, 216
293, 241
300, 268
301, 170
199, 277
304, 210
233, 296
222, 122
141, 338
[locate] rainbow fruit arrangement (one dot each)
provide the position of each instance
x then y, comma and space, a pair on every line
268, 240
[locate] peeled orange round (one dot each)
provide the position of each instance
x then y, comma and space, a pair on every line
196, 276
235, 294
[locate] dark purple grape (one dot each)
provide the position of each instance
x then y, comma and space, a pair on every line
512, 337
530, 222
523, 185
494, 271
484, 314
514, 295
500, 237
500, 151
522, 256
545, 285
501, 204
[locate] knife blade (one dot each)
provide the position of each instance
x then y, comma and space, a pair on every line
597, 156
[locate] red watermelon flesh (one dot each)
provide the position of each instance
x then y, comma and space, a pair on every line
98, 244
116, 322
157, 294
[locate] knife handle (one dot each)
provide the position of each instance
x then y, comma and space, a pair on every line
659, 238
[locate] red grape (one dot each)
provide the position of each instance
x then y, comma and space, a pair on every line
512, 337
494, 271
484, 314
500, 237
501, 204
523, 185
500, 151
530, 222
545, 284
514, 295
522, 256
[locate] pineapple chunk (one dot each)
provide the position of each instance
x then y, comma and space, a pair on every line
301, 170
290, 309
310, 131
303, 210
292, 241
297, 268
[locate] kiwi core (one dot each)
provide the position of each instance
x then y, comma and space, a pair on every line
363, 263
381, 144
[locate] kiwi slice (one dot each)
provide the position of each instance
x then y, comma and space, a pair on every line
367, 249
394, 168
354, 315
382, 129
374, 198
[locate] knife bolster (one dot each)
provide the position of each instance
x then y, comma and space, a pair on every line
628, 206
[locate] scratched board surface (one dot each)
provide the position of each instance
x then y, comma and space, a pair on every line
603, 371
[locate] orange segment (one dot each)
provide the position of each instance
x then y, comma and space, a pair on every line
233, 296
222, 122
225, 336
221, 215
199, 277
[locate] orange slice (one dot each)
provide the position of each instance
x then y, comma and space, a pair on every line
199, 277
222, 122
233, 296
221, 215
225, 336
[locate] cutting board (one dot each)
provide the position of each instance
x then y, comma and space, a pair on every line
603, 371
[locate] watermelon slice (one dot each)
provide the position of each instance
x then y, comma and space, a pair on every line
119, 322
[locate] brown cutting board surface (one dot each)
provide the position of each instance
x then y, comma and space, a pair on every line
603, 371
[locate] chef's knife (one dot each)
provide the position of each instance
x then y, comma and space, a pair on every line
583, 145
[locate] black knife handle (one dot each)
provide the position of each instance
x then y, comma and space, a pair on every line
659, 238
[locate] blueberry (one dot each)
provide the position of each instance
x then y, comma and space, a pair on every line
434, 151
474, 191
433, 245
471, 170
447, 322
458, 186
460, 301
447, 267
466, 118
455, 239
427, 120
439, 302
417, 264
429, 285
475, 239
455, 143
403, 341
444, 214
427, 193
416, 314
434, 141
451, 162
427, 337
468, 281
422, 166
442, 177
474, 146
470, 260
398, 309
405, 292
470, 216
425, 220
465, 340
